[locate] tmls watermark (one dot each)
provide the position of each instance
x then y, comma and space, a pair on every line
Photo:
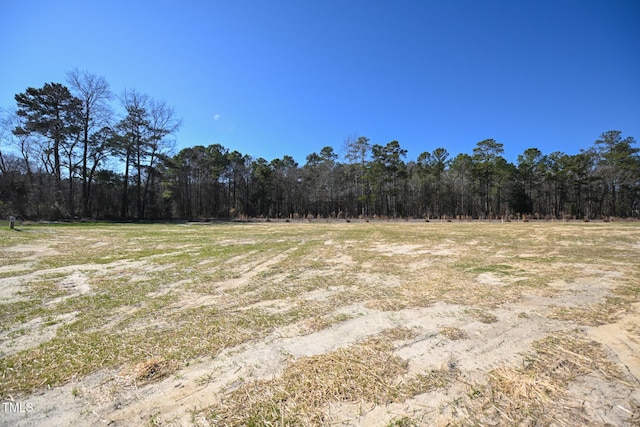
17, 407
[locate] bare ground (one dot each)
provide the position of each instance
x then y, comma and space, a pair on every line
536, 324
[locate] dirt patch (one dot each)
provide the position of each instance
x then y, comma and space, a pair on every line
29, 252
399, 249
623, 338
251, 269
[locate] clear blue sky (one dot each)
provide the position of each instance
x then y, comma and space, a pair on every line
271, 78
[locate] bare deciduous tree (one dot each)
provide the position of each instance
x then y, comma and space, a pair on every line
94, 93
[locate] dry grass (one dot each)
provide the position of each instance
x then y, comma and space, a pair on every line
160, 296
367, 373
453, 333
149, 371
364, 372
316, 324
595, 315
482, 316
536, 392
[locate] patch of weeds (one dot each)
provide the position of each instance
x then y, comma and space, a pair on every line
19, 312
364, 372
52, 362
316, 324
467, 264
81, 347
12, 273
219, 275
453, 334
402, 422
542, 259
387, 304
260, 290
10, 238
377, 296
399, 334
536, 393
204, 379
481, 315
49, 321
18, 333
150, 370
45, 289
455, 287
595, 315
37, 294
630, 292
432, 380
492, 268
476, 391
154, 420
342, 317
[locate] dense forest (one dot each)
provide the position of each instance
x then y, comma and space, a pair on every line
66, 154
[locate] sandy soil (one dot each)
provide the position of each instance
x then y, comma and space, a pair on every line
113, 398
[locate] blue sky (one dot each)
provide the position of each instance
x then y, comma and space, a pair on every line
280, 77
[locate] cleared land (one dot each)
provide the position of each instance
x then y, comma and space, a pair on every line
371, 324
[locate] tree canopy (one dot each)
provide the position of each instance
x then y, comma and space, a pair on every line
60, 138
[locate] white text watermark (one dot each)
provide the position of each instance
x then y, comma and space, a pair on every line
17, 407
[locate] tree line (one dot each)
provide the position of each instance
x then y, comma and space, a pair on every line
66, 154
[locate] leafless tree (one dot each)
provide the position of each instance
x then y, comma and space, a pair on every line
95, 94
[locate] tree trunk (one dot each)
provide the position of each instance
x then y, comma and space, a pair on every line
124, 207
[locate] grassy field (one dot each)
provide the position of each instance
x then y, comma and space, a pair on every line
316, 323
